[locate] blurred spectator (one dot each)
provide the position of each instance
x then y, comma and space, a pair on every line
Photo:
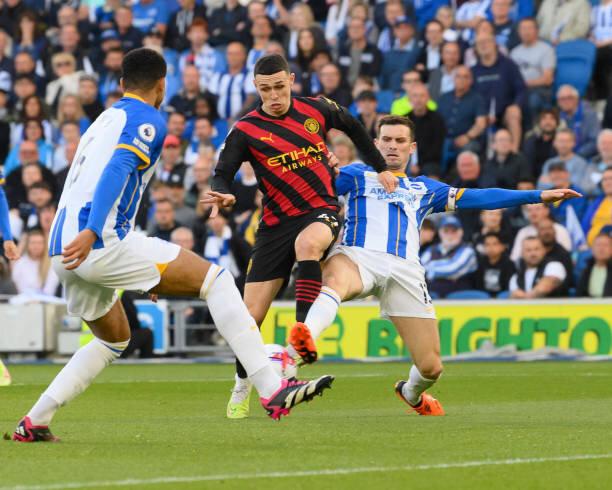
344, 149
499, 81
430, 132
536, 277
32, 273
38, 195
89, 97
233, 87
164, 221
68, 152
32, 108
536, 213
67, 81
484, 28
469, 14
183, 214
261, 31
29, 171
149, 15
29, 38
555, 252
70, 109
368, 115
7, 286
425, 11
202, 171
70, 43
32, 131
449, 265
538, 146
505, 28
103, 15
201, 140
130, 36
495, 269
183, 237
430, 57
178, 25
492, 221
176, 127
202, 55
580, 118
6, 64
599, 213
358, 56
507, 167
564, 143
406, 40
25, 64
111, 73
23, 87
332, 86
394, 10
184, 101
427, 235
595, 169
227, 23
464, 114
537, 61
601, 35
596, 279
171, 168
403, 105
560, 179
445, 15
442, 79
468, 176
564, 20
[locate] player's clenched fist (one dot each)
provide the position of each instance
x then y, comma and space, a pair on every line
218, 200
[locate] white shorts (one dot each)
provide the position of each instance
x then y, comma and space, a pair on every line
134, 264
399, 284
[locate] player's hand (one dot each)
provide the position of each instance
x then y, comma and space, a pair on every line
10, 250
555, 195
333, 162
388, 180
218, 200
78, 249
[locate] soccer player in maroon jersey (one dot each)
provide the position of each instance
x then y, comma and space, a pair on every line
284, 139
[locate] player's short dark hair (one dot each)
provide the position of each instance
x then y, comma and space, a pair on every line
397, 121
142, 68
271, 64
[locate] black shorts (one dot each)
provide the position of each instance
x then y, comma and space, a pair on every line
274, 250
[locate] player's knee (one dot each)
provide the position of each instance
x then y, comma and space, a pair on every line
308, 249
431, 368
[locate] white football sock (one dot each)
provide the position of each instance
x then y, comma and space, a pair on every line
416, 385
323, 311
238, 328
75, 377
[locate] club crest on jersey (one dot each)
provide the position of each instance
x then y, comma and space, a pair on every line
146, 132
312, 125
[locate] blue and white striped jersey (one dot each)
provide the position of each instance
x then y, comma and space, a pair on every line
377, 220
114, 162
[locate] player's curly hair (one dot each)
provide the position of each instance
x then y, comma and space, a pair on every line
142, 68
397, 121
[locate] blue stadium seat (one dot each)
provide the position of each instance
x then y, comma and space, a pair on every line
575, 62
385, 99
503, 295
469, 294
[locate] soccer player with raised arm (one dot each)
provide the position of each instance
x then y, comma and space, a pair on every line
284, 139
95, 251
379, 255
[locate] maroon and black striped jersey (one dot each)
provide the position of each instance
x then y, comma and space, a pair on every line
289, 156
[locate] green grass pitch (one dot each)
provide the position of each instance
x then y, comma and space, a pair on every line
508, 425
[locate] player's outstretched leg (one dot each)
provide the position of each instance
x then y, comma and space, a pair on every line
112, 333
189, 275
421, 337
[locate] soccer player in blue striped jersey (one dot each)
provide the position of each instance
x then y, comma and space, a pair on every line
10, 249
379, 255
95, 251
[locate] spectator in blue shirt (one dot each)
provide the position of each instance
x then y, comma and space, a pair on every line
150, 14
581, 119
499, 81
425, 10
560, 179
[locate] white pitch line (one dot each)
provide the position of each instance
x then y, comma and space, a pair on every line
320, 472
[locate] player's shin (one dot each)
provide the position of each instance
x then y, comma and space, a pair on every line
307, 287
75, 377
239, 329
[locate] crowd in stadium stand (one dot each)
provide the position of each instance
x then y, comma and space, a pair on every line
495, 97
